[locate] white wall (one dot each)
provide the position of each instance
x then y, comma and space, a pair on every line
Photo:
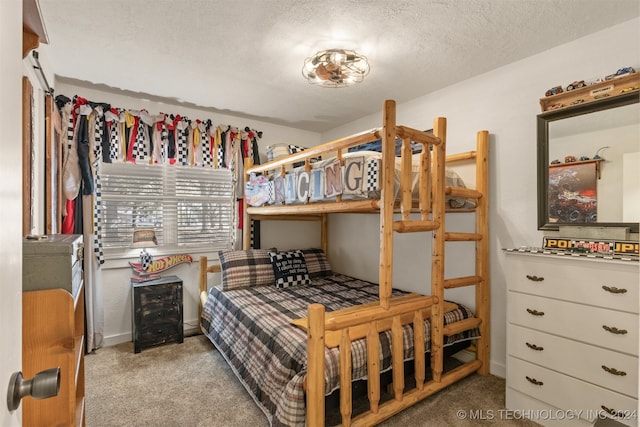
504, 101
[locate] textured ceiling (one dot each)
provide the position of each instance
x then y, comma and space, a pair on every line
244, 57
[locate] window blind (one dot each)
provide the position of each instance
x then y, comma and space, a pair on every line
186, 206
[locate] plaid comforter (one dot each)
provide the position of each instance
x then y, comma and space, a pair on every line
250, 327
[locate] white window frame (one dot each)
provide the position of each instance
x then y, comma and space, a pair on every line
159, 191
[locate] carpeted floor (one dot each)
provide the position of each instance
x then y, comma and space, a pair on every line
190, 385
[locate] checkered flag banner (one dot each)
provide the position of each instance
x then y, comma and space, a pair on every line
97, 220
114, 144
164, 138
141, 151
69, 132
97, 135
97, 198
207, 153
183, 130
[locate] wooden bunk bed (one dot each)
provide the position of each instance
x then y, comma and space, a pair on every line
412, 211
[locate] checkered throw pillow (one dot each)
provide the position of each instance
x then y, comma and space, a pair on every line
317, 262
245, 268
289, 268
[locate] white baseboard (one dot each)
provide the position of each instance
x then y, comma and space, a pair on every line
498, 369
112, 340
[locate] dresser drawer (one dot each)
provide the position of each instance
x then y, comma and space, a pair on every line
609, 369
598, 326
159, 333
160, 294
567, 393
596, 283
155, 313
525, 406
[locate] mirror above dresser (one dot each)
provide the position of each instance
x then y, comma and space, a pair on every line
588, 163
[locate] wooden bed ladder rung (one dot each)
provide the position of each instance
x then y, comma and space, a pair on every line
412, 226
462, 237
462, 192
462, 281
461, 326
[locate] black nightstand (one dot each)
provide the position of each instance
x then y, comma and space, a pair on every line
157, 312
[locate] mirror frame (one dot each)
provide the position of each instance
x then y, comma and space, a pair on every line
543, 121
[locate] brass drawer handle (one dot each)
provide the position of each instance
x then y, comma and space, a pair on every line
534, 381
614, 290
614, 330
614, 371
535, 312
534, 347
535, 278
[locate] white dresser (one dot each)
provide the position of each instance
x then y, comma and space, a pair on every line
572, 339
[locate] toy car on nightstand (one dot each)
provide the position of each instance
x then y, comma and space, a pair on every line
575, 85
554, 91
621, 72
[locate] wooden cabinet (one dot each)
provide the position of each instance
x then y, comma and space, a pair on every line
157, 312
572, 338
53, 336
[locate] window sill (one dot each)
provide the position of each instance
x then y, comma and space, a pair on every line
121, 259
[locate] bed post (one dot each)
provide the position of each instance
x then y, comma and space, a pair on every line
246, 220
324, 233
202, 287
315, 366
437, 250
482, 250
386, 207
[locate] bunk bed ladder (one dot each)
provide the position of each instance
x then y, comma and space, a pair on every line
481, 238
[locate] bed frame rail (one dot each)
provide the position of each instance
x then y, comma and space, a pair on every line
203, 273
373, 319
370, 318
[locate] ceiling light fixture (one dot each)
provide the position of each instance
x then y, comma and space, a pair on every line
335, 68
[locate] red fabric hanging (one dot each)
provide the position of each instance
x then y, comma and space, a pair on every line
68, 221
132, 140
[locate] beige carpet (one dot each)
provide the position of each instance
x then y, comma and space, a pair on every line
190, 385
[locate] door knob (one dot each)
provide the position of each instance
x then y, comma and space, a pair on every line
43, 385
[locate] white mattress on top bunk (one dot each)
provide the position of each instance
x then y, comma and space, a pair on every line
358, 178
